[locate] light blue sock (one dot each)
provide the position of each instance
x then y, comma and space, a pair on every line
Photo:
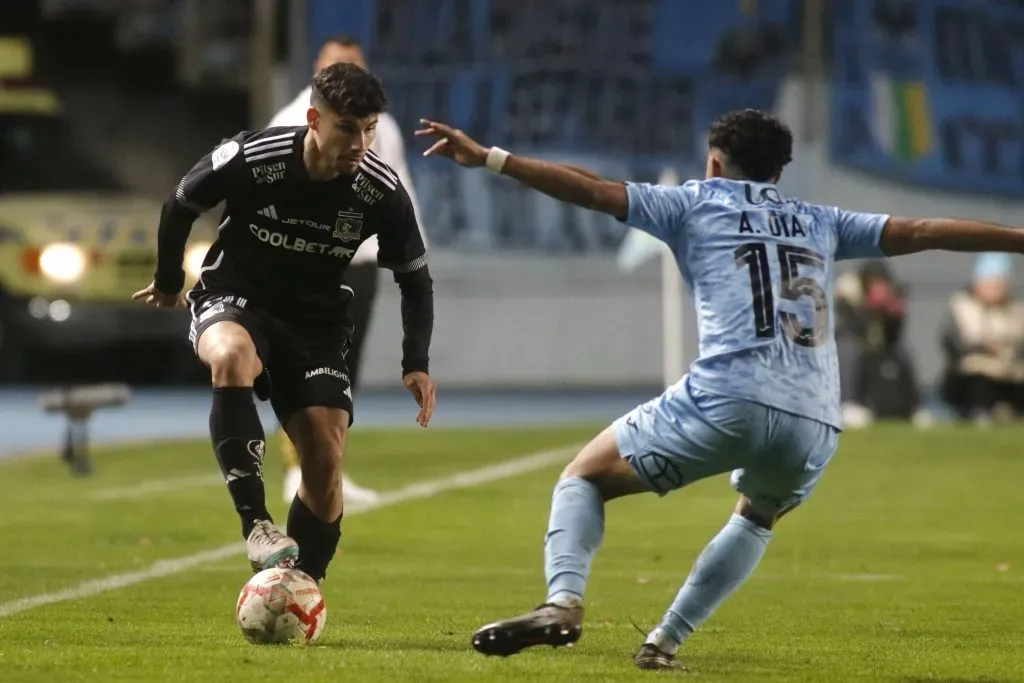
575, 530
722, 567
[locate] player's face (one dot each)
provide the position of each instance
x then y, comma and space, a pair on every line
343, 140
992, 291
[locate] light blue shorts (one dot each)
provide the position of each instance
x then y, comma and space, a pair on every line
776, 458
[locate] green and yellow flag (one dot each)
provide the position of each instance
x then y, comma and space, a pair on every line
901, 117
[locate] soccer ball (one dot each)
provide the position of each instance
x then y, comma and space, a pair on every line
281, 606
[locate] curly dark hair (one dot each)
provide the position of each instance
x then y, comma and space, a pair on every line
756, 144
348, 90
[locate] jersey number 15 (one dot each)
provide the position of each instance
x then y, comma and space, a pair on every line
754, 256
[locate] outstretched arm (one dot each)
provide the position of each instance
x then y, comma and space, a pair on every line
911, 235
568, 184
563, 182
582, 171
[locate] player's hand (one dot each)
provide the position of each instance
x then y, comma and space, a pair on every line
453, 144
152, 295
425, 392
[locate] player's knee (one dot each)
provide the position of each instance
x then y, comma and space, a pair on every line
765, 516
584, 467
597, 458
232, 360
759, 519
600, 463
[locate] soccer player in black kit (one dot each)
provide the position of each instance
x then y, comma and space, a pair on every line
269, 309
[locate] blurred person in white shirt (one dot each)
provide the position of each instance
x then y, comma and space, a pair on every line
984, 344
361, 275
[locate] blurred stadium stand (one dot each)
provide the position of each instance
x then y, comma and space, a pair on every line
899, 105
624, 86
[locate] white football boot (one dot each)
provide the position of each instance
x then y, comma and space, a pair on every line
267, 547
356, 494
292, 480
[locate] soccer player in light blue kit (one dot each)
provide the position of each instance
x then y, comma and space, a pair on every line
761, 401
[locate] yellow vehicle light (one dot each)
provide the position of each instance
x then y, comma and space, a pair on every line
63, 263
28, 101
15, 58
60, 263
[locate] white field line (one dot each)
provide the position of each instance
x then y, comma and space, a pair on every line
151, 486
868, 577
118, 442
418, 491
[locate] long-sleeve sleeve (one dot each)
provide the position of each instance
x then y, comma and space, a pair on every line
402, 251
202, 188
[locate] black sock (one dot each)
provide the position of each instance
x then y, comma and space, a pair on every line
238, 441
317, 539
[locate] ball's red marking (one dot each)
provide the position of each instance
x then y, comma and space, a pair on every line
249, 590
308, 619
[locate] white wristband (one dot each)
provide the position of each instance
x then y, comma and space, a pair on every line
496, 158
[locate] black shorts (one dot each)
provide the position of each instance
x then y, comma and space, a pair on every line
303, 364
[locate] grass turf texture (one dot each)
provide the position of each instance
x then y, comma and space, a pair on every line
907, 564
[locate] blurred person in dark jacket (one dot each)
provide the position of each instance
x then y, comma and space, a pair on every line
877, 377
984, 344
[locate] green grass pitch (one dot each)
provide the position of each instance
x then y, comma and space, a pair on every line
907, 564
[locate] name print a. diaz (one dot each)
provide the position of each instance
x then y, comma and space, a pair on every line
285, 240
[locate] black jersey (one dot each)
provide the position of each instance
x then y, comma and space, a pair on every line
285, 239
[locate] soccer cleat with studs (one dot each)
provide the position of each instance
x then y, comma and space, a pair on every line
650, 658
267, 547
549, 624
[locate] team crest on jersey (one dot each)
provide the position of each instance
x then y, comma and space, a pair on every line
224, 154
349, 226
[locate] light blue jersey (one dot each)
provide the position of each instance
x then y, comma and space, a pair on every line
760, 267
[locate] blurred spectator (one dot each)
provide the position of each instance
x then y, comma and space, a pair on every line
983, 341
747, 50
876, 374
898, 18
